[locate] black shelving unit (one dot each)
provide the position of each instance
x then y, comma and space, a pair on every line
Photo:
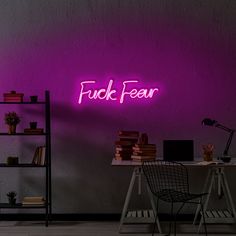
47, 134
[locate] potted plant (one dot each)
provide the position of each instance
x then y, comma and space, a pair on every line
12, 119
11, 197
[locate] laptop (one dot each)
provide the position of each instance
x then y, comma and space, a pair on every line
178, 150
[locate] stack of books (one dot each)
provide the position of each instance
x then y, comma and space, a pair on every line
33, 131
33, 201
123, 146
39, 156
142, 152
13, 97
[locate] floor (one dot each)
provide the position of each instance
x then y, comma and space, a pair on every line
83, 228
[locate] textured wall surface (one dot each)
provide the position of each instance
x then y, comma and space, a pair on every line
186, 47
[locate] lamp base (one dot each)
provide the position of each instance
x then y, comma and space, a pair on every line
225, 158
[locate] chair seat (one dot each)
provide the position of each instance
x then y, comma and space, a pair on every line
170, 195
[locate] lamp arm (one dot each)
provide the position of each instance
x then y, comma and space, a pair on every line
223, 127
228, 143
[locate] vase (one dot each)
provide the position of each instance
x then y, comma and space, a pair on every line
12, 201
208, 156
11, 129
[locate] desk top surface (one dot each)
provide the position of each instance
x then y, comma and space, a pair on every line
196, 163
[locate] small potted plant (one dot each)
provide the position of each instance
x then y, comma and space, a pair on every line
12, 119
11, 197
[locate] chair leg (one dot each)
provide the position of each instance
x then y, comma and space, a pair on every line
203, 216
171, 218
177, 213
155, 221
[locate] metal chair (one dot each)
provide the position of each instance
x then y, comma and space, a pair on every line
168, 181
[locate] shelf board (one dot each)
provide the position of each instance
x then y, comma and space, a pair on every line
24, 134
18, 103
19, 205
21, 165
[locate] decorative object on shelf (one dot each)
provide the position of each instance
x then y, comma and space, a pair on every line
225, 157
208, 152
33, 125
13, 97
37, 200
11, 197
12, 161
33, 131
33, 99
39, 156
12, 119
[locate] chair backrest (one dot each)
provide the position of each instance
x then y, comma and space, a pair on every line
162, 175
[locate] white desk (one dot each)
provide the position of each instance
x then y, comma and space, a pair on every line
216, 174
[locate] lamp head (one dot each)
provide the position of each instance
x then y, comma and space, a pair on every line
209, 122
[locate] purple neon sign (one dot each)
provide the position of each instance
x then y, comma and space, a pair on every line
130, 89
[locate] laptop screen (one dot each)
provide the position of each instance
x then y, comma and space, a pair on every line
178, 150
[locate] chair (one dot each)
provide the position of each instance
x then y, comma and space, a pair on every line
168, 181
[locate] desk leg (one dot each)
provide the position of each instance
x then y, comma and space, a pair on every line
154, 209
222, 183
206, 185
127, 198
207, 199
137, 172
228, 194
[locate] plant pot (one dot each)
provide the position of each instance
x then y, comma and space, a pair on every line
33, 99
11, 129
12, 201
208, 156
33, 125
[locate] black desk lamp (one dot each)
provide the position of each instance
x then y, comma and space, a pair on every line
214, 123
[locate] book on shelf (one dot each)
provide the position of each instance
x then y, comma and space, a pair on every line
39, 156
13, 97
37, 200
33, 131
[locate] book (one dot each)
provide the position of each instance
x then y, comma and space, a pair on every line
39, 156
144, 153
144, 149
123, 156
33, 199
124, 143
134, 157
13, 97
137, 145
33, 203
123, 150
33, 131
35, 157
38, 200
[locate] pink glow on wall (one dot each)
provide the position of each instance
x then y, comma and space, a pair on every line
130, 89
